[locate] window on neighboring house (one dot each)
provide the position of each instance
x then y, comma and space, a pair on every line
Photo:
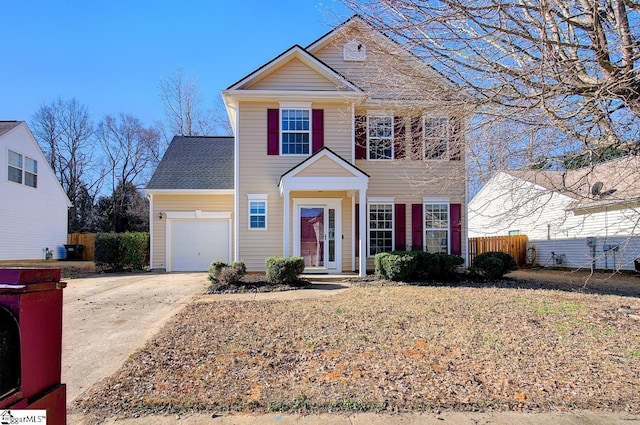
296, 131
380, 138
22, 169
437, 228
257, 211
380, 228
437, 134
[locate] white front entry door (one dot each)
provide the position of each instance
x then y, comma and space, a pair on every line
318, 233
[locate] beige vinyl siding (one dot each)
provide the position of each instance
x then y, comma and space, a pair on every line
175, 203
324, 167
260, 173
294, 75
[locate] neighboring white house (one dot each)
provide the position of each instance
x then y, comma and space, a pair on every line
33, 205
572, 218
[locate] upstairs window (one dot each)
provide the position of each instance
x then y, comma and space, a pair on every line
296, 131
380, 138
437, 135
22, 169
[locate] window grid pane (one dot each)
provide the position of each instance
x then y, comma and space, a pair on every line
295, 131
380, 228
380, 137
257, 215
437, 228
436, 137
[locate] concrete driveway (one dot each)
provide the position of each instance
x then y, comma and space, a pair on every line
108, 317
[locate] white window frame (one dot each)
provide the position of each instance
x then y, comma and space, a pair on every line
447, 137
381, 202
258, 198
376, 116
23, 169
446, 229
295, 106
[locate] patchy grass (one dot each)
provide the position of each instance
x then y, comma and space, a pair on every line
386, 348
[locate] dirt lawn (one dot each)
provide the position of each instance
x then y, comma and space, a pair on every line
513, 346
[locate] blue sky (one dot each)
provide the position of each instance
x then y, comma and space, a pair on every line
111, 55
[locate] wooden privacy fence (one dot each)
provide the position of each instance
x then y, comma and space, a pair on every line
515, 245
85, 239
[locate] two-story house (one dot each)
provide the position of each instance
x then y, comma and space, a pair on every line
343, 149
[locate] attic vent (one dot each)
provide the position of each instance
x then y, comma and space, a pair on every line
354, 51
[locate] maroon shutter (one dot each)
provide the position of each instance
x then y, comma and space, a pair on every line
273, 131
399, 141
400, 227
416, 145
361, 136
455, 144
416, 227
357, 239
455, 223
317, 122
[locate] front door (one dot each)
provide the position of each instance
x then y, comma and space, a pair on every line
317, 227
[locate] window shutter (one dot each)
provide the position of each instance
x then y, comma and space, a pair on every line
416, 145
273, 131
357, 239
455, 144
361, 136
400, 225
416, 226
399, 141
317, 122
455, 224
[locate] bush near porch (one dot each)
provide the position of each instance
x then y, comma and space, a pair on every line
412, 266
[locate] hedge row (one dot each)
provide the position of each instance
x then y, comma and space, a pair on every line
416, 266
122, 251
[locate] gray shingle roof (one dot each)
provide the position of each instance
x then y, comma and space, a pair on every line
195, 163
5, 126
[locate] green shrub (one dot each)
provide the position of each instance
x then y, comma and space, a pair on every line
416, 266
493, 265
227, 273
283, 270
122, 251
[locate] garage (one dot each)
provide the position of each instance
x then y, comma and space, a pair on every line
195, 243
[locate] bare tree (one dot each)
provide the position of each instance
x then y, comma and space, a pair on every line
64, 129
185, 115
571, 65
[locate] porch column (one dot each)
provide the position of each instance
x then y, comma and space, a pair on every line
362, 270
285, 233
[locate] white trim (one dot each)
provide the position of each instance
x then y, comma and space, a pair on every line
293, 95
189, 191
353, 135
295, 105
258, 197
326, 203
393, 227
197, 214
236, 185
152, 216
381, 199
353, 233
436, 200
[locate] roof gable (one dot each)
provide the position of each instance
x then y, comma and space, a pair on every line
312, 63
195, 163
6, 126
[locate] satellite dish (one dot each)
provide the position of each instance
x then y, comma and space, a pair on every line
596, 188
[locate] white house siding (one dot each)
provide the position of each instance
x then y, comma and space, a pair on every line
294, 75
33, 219
574, 253
222, 203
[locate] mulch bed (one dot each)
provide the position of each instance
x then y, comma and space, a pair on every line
387, 347
254, 282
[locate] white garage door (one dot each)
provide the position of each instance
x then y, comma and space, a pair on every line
195, 243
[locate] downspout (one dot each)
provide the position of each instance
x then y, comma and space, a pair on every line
151, 224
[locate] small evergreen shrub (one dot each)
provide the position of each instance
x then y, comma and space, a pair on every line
416, 266
493, 265
227, 273
284, 270
399, 266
